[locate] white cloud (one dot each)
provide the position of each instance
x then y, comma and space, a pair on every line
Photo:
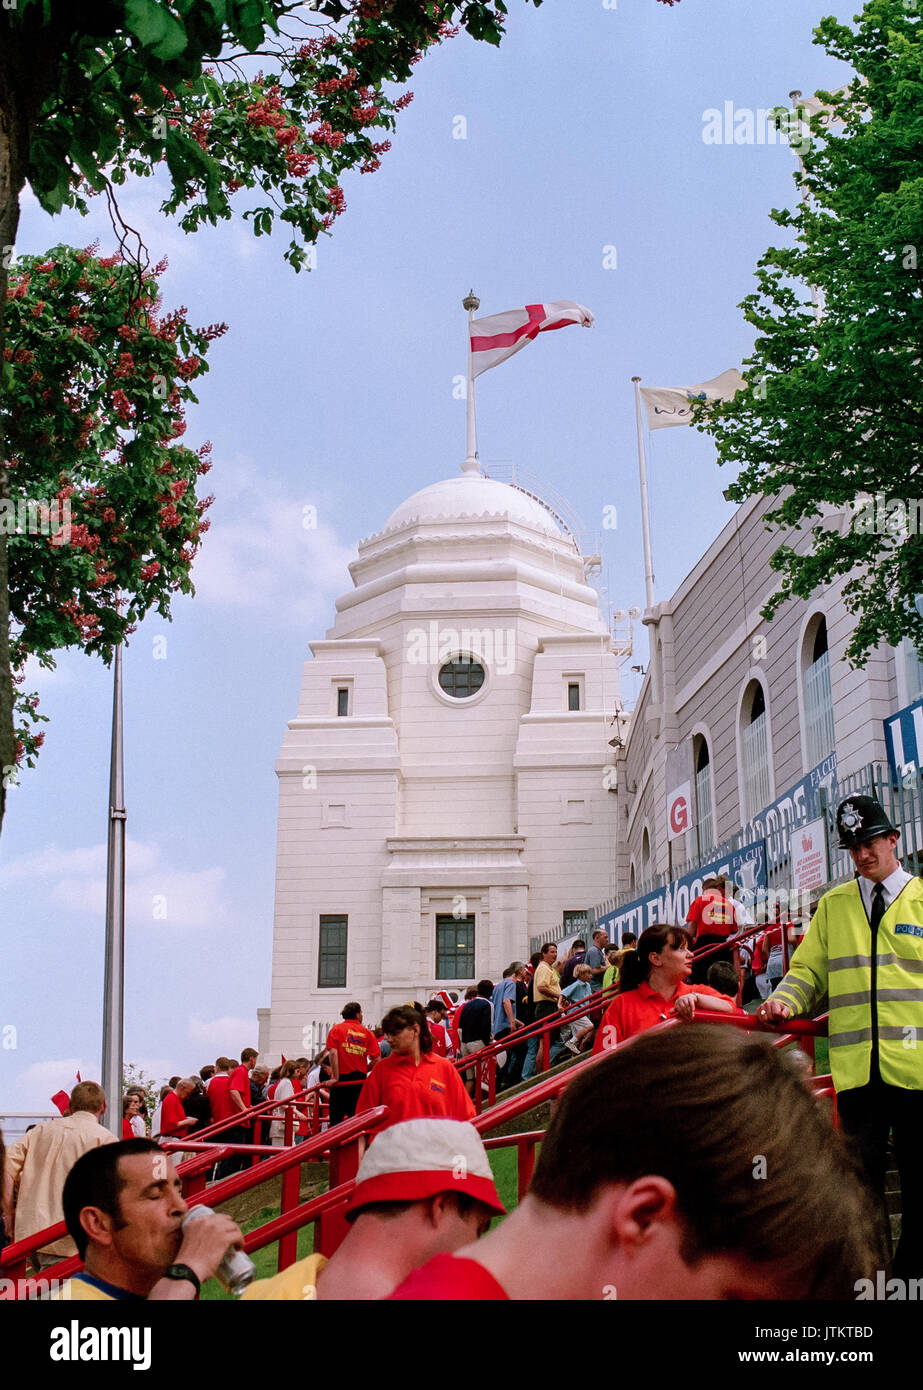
34, 1087
158, 894
223, 1033
260, 556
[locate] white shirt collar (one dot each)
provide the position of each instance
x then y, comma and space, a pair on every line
892, 886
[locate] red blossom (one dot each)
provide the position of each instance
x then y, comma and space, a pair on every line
150, 571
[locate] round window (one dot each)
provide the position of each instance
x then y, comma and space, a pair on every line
461, 677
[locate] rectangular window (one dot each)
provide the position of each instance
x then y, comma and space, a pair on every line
573, 695
454, 947
331, 955
343, 700
576, 922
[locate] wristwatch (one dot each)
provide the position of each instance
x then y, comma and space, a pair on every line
183, 1272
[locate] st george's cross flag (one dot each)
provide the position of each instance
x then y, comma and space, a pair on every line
672, 405
496, 338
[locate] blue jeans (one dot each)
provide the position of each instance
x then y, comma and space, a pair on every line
557, 1047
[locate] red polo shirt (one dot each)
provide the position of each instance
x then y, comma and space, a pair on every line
239, 1080
446, 1277
440, 1039
711, 914
641, 1008
171, 1114
218, 1100
354, 1044
412, 1092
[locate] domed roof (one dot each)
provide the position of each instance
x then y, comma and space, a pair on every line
469, 496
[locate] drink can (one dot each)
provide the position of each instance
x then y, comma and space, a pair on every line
236, 1270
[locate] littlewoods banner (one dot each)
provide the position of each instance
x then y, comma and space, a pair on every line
746, 867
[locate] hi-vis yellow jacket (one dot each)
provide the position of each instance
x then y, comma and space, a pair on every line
875, 988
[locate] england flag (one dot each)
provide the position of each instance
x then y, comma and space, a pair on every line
496, 338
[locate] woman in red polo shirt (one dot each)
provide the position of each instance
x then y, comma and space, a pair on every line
652, 987
413, 1081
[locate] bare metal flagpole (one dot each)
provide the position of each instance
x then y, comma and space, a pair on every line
114, 979
471, 464
645, 511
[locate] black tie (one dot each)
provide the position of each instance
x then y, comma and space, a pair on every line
878, 906
875, 916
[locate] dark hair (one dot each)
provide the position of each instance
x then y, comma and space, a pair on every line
471, 992
436, 1006
405, 1016
578, 942
651, 1107
547, 947
535, 958
247, 1053
629, 938
723, 977
485, 988
351, 1011
206, 1072
127, 1099
173, 1080
94, 1182
636, 966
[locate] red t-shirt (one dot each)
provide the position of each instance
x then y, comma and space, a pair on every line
448, 1278
355, 1045
171, 1114
127, 1131
638, 1009
440, 1039
239, 1080
712, 914
415, 1092
218, 1099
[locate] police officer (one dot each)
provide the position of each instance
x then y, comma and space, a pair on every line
864, 948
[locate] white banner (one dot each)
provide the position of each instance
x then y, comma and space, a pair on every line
809, 856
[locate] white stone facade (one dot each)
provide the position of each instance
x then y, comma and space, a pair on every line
400, 803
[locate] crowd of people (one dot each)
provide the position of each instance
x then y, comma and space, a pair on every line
645, 1199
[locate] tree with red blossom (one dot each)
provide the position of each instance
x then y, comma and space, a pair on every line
104, 515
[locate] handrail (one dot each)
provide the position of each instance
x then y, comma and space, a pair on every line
327, 1209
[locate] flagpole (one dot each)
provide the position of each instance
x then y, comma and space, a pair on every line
645, 512
471, 464
114, 978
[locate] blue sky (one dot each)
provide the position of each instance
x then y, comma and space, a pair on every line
583, 132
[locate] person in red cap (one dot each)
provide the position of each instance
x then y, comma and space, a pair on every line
424, 1188
413, 1082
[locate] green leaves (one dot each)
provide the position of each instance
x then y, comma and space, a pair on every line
155, 28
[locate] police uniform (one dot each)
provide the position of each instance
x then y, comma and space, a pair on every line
864, 949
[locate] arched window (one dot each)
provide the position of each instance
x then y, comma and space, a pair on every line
632, 882
645, 856
704, 805
818, 697
754, 747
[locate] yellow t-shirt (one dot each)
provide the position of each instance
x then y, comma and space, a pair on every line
299, 1282
82, 1288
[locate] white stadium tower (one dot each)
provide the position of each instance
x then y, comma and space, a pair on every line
443, 794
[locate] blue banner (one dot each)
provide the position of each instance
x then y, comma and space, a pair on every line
745, 867
904, 740
799, 803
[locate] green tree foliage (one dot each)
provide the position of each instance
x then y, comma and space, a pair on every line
833, 409
102, 520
